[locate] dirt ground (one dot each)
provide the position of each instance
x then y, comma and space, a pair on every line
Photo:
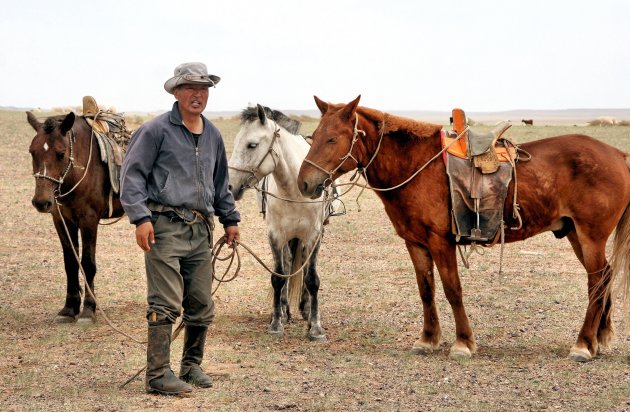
525, 321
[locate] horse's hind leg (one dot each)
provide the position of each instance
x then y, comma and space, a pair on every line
311, 281
71, 308
276, 328
605, 330
597, 325
88, 262
423, 265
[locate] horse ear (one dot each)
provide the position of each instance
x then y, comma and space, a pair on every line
32, 120
350, 108
261, 114
66, 123
322, 105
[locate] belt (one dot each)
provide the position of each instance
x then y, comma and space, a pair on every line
180, 214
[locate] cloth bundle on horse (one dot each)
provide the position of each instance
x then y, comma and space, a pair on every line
574, 186
76, 165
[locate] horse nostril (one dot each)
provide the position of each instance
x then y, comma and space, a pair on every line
304, 187
230, 188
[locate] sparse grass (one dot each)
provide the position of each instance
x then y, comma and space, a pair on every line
369, 305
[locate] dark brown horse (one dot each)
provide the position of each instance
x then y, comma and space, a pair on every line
574, 185
71, 178
528, 122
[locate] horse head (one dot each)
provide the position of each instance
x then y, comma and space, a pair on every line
332, 151
52, 158
254, 155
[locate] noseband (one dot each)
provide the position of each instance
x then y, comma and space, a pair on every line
252, 178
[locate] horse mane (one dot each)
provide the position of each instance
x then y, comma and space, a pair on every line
400, 125
292, 126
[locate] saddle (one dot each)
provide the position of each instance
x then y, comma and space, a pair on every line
112, 137
479, 167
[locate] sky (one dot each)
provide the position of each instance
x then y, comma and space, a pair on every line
482, 55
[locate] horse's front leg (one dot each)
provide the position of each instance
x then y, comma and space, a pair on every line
88, 262
443, 254
311, 280
278, 283
423, 265
71, 308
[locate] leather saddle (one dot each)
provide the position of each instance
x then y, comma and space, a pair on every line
112, 136
479, 167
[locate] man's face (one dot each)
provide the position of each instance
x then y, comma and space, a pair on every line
192, 98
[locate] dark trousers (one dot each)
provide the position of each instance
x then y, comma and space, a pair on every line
179, 273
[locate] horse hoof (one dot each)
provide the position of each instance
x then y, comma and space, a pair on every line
460, 352
278, 332
86, 320
317, 338
65, 319
580, 355
422, 348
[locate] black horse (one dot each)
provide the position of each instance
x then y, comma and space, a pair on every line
72, 184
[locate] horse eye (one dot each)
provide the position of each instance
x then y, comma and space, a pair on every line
61, 155
332, 140
252, 145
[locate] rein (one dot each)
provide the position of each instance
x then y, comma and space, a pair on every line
361, 171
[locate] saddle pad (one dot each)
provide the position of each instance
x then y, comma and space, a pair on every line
460, 149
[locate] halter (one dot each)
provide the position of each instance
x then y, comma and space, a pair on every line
355, 137
253, 170
59, 181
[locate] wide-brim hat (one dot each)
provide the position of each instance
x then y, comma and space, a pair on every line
190, 73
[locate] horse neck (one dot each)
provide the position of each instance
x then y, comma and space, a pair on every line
291, 150
399, 156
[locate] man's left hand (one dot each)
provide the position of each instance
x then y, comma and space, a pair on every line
231, 234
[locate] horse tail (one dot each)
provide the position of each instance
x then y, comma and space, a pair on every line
620, 264
296, 282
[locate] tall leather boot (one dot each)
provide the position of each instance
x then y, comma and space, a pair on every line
191, 372
159, 376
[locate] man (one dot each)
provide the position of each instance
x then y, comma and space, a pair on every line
174, 179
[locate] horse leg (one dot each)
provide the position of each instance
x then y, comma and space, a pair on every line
311, 281
88, 263
605, 331
276, 328
431, 332
443, 254
71, 308
596, 323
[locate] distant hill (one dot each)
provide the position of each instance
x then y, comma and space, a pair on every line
566, 116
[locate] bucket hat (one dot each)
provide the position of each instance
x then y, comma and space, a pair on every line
190, 73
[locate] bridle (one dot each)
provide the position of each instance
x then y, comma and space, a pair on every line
71, 163
355, 136
252, 180
65, 172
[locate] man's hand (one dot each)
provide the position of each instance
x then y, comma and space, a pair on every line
145, 236
231, 234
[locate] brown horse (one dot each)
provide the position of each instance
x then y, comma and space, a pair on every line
574, 185
72, 184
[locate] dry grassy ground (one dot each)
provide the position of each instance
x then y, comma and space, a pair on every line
525, 320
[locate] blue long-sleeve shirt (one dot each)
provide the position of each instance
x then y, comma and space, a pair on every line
163, 165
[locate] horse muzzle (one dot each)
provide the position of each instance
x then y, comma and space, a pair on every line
42, 205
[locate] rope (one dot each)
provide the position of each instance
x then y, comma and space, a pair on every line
87, 286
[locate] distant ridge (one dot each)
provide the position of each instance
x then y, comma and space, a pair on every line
564, 116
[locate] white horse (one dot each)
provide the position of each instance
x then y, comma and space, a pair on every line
268, 145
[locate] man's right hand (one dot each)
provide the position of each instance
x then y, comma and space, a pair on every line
145, 236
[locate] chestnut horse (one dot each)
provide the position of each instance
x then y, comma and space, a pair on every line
71, 179
574, 185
